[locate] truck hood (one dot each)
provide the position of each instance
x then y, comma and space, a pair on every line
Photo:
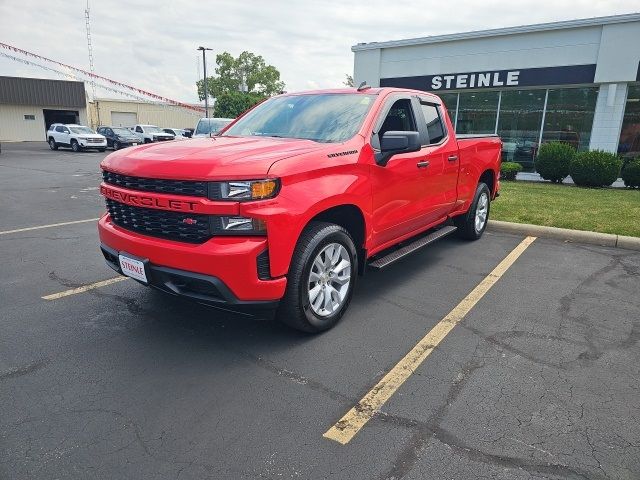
214, 158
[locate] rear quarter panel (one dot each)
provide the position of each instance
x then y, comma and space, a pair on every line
476, 156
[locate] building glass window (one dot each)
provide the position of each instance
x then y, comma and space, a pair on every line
477, 112
450, 102
629, 145
569, 116
519, 125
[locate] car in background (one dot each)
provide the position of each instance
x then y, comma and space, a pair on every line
150, 133
76, 137
188, 132
119, 137
178, 133
210, 126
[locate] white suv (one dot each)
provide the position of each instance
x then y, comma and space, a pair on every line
75, 136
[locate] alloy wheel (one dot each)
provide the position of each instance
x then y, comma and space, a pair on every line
329, 280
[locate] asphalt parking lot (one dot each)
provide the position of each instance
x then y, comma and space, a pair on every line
541, 379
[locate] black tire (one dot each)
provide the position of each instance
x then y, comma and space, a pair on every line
116, 146
52, 144
466, 223
295, 308
146, 140
101, 150
75, 146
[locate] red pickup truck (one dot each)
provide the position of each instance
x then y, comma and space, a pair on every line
294, 199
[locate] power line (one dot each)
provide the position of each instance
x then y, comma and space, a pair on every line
93, 76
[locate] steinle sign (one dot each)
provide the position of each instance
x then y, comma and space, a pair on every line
514, 77
476, 80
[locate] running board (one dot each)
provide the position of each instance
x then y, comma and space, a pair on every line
396, 255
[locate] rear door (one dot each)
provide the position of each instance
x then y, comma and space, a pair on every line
440, 177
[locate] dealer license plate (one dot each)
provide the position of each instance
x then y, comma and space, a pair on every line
134, 144
132, 268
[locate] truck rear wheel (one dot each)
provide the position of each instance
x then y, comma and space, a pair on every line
472, 224
321, 278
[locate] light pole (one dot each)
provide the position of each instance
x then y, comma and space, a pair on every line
204, 83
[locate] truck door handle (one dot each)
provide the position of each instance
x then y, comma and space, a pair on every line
452, 158
424, 164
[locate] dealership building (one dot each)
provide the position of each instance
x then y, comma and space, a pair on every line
574, 81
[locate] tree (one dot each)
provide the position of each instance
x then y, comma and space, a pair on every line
349, 81
248, 73
231, 104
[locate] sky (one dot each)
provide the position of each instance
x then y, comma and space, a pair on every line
152, 44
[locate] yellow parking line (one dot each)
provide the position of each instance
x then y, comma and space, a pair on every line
84, 288
356, 418
49, 226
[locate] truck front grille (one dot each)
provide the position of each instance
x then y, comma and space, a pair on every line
178, 187
181, 227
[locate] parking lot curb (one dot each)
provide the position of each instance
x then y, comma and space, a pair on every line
565, 234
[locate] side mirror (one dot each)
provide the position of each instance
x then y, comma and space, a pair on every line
394, 142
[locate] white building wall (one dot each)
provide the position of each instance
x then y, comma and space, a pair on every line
619, 53
607, 119
577, 46
366, 68
159, 114
14, 127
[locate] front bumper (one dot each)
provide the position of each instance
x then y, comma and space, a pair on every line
222, 271
85, 144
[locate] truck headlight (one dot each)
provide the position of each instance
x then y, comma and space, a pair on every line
244, 190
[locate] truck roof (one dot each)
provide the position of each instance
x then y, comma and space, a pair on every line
366, 91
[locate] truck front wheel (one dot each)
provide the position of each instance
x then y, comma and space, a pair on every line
321, 278
472, 224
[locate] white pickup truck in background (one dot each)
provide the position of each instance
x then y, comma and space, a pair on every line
150, 133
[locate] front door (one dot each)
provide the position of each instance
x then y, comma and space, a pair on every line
398, 191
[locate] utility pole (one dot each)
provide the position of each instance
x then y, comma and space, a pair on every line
204, 83
90, 47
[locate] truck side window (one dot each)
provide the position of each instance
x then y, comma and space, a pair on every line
139, 129
399, 118
434, 123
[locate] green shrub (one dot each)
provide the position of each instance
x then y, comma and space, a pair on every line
631, 173
553, 160
509, 170
595, 169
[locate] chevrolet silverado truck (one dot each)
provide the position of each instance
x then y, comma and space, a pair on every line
293, 200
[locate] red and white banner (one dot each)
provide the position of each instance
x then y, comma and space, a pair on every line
94, 77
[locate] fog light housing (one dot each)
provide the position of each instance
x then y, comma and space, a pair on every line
237, 225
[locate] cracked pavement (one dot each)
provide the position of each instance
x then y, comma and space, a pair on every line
541, 380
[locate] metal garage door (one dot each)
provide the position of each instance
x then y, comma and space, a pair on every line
123, 119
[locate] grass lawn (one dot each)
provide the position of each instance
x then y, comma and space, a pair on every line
607, 210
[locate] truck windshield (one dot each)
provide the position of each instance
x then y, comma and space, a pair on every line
327, 117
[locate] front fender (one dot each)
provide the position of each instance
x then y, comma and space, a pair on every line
302, 198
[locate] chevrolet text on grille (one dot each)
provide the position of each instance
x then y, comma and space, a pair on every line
147, 201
